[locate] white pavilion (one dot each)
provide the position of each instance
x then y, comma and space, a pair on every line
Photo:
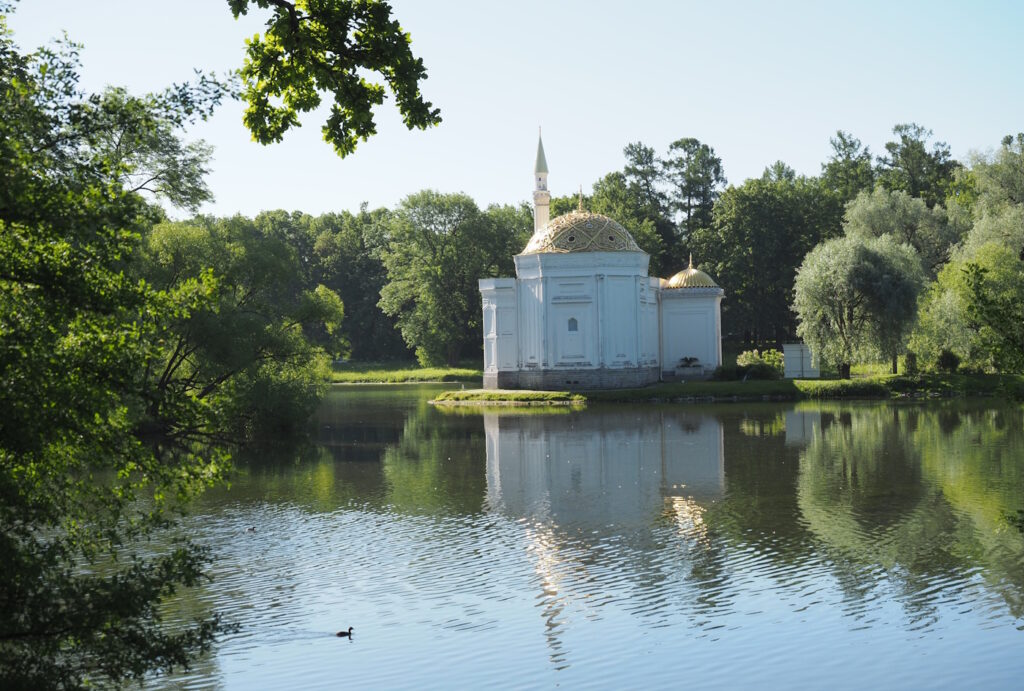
582, 312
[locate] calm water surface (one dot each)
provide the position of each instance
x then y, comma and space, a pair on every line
782, 546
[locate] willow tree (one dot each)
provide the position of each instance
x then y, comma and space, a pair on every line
930, 231
856, 299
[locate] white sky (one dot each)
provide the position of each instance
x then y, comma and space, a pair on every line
758, 81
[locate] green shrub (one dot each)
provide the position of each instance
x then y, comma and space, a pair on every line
726, 373
948, 361
770, 358
758, 370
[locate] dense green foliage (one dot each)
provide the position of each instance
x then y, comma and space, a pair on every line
975, 306
848, 171
995, 304
438, 247
930, 231
135, 357
241, 315
761, 231
908, 166
329, 47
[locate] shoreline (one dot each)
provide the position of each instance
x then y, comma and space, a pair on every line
887, 387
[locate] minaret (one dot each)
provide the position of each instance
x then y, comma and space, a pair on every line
541, 196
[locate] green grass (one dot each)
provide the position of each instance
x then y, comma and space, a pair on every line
400, 373
874, 369
522, 397
868, 387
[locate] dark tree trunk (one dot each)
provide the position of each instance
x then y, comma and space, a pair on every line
844, 370
895, 361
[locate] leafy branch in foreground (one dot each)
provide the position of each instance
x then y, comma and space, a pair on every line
313, 48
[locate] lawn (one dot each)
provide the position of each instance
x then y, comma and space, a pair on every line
400, 373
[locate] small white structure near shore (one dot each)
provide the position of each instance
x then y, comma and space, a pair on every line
799, 362
583, 312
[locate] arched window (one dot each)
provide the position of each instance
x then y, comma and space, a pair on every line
573, 324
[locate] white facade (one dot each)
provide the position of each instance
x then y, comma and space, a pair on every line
571, 319
691, 328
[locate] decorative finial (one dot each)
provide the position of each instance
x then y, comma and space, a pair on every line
691, 260
580, 206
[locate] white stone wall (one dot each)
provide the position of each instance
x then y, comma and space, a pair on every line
583, 309
691, 326
799, 362
593, 320
500, 317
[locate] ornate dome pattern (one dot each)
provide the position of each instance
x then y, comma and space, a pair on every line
581, 231
691, 278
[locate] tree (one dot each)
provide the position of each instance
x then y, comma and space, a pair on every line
438, 246
74, 465
613, 198
909, 167
347, 259
242, 357
856, 299
328, 47
995, 303
973, 307
930, 231
760, 232
697, 177
643, 176
848, 171
122, 399
943, 324
998, 207
778, 172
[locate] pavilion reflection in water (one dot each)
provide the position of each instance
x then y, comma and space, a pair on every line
602, 468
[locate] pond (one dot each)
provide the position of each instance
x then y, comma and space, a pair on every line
776, 545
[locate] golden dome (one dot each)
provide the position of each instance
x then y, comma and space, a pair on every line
691, 278
581, 231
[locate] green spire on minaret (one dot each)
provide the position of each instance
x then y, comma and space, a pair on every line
542, 163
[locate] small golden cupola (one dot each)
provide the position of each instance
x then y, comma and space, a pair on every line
691, 278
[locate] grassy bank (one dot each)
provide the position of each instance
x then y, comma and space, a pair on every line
400, 373
873, 387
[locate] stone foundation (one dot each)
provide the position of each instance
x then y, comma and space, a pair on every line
575, 379
687, 374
